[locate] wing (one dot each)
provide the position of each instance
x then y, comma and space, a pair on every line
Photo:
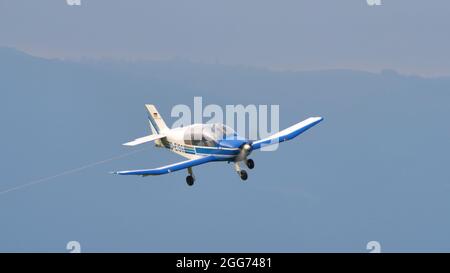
142, 140
288, 133
170, 168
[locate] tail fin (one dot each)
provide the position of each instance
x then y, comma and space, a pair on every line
155, 119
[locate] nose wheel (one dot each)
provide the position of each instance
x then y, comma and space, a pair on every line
250, 164
243, 174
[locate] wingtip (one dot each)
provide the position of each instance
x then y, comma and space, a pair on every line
318, 119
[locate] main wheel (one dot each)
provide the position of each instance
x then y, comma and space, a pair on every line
243, 174
190, 180
250, 163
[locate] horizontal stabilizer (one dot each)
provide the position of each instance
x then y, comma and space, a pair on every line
142, 140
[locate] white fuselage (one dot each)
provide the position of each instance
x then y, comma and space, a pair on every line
179, 141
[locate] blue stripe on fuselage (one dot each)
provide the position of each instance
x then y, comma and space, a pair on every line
201, 150
215, 151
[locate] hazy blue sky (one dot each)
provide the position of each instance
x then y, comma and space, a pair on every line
407, 35
375, 169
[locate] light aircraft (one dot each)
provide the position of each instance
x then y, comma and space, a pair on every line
204, 143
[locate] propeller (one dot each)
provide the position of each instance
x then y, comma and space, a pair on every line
246, 150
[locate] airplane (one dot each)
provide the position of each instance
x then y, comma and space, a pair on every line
204, 143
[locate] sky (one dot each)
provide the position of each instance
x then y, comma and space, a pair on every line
374, 170
409, 36
74, 81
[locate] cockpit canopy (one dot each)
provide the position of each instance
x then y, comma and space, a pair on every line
208, 134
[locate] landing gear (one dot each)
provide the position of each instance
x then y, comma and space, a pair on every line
243, 174
190, 180
250, 163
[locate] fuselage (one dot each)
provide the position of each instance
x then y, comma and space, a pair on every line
200, 140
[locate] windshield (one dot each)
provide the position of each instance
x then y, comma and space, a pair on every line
208, 134
218, 131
